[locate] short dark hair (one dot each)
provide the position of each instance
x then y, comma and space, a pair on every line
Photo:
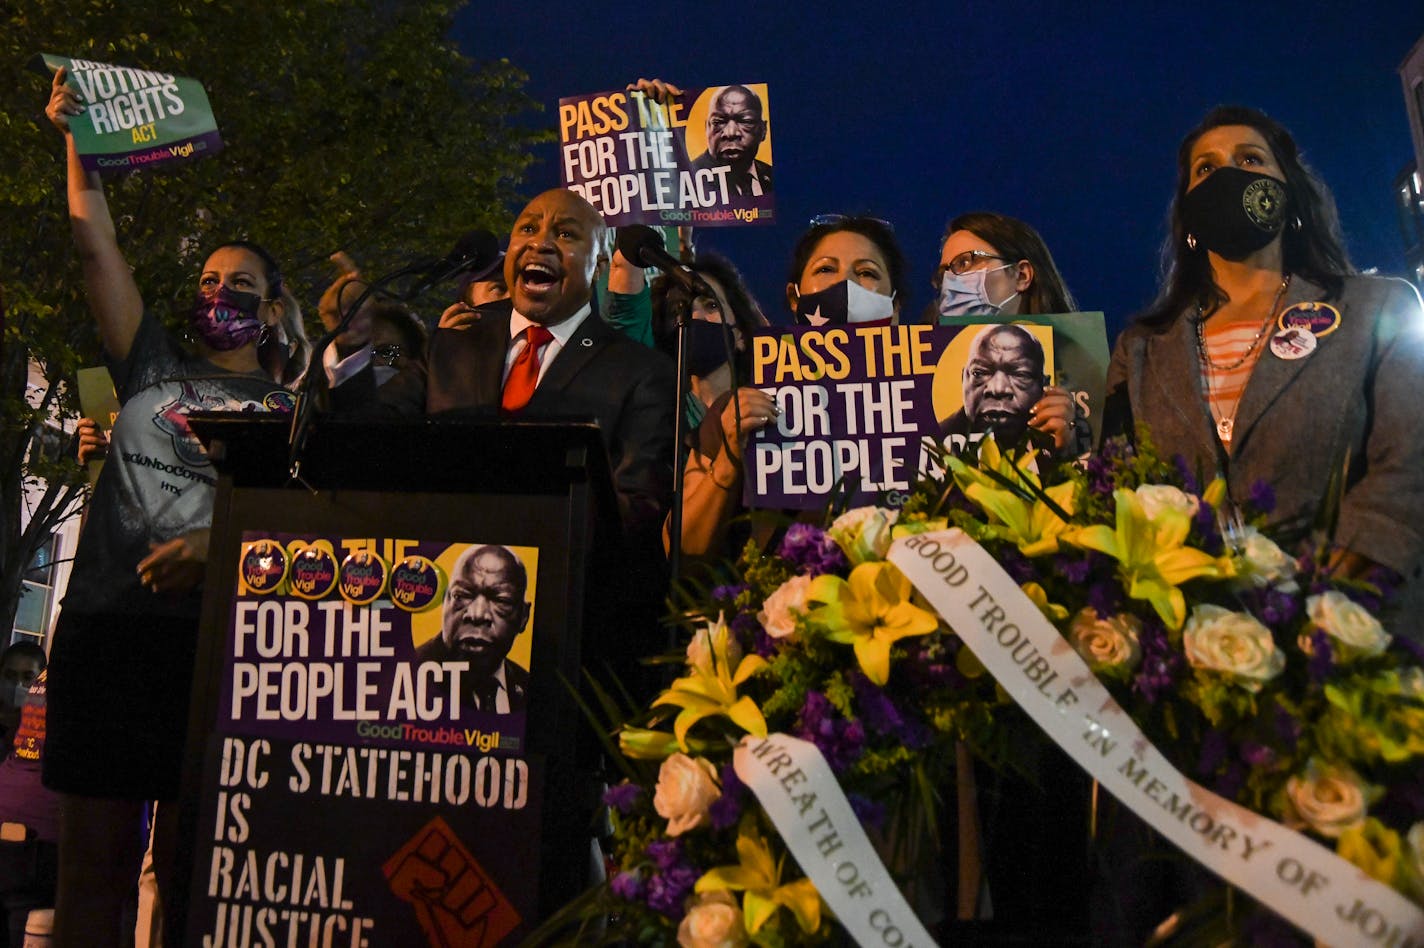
872, 229
412, 331
23, 649
1016, 240
1311, 244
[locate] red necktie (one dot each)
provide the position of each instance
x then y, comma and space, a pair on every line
524, 373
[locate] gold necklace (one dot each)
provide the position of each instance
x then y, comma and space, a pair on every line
1226, 423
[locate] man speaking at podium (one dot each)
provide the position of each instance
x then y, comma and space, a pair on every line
543, 352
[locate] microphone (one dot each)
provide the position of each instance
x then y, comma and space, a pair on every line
475, 251
642, 246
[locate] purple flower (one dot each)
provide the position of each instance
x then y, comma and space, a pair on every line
1229, 784
628, 886
1279, 609
870, 812
665, 853
623, 796
1017, 566
1204, 523
1287, 728
1106, 598
1322, 656
667, 891
1262, 497
811, 550
1075, 569
1257, 755
876, 709
839, 741
1159, 665
1100, 474
727, 809
1213, 751
1190, 484
728, 594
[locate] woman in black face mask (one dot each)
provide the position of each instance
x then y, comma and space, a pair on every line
721, 414
1266, 359
121, 661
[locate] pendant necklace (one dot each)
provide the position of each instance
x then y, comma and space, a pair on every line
1224, 422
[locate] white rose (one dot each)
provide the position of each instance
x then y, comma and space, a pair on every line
1261, 562
1106, 642
1328, 799
714, 922
713, 634
1357, 634
779, 613
1233, 642
863, 534
687, 786
1158, 498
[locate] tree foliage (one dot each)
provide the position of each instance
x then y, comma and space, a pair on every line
348, 124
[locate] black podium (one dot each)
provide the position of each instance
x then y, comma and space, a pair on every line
345, 784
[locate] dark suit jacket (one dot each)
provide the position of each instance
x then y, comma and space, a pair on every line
1298, 421
705, 161
516, 679
625, 387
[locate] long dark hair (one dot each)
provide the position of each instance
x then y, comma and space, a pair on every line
1015, 240
879, 233
666, 294
1312, 248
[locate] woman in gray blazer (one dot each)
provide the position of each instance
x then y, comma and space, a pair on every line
1265, 358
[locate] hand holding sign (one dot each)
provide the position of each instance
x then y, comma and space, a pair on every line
63, 101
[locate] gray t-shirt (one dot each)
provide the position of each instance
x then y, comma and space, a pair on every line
157, 483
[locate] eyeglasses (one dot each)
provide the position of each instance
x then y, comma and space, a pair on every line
827, 220
962, 263
385, 355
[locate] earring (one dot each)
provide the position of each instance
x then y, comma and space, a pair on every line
265, 335
1192, 241
1295, 223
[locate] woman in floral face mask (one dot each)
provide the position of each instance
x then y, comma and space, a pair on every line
121, 661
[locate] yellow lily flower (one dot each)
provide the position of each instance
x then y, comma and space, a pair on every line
642, 744
1153, 556
759, 877
1039, 595
1033, 526
870, 612
710, 687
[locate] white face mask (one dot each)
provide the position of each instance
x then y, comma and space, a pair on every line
964, 294
843, 302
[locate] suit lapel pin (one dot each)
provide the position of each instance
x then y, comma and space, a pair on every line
1294, 343
1319, 319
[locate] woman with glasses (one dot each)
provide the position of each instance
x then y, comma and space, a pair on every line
993, 266
121, 663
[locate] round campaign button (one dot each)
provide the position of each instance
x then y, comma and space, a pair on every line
1320, 318
1292, 344
313, 570
363, 577
263, 566
416, 584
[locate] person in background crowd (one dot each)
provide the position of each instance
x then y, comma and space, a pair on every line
129, 621
29, 814
994, 266
20, 664
1218, 371
847, 269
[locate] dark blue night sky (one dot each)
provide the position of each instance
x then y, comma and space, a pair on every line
1065, 114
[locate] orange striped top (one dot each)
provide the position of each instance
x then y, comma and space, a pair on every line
1226, 345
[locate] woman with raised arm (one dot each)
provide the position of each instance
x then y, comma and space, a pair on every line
121, 662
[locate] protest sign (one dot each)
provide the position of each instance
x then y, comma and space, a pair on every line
857, 402
353, 695
135, 118
702, 159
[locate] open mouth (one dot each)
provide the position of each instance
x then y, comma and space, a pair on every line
538, 277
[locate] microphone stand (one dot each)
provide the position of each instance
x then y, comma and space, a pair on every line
683, 317
304, 413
